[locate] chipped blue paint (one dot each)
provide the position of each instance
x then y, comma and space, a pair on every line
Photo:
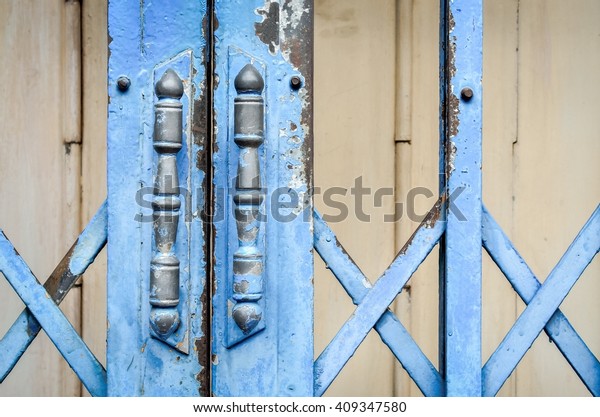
462, 42
543, 306
146, 38
276, 360
390, 329
25, 328
522, 279
377, 300
90, 241
55, 324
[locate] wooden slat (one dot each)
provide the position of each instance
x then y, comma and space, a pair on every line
403, 162
354, 136
500, 35
93, 165
556, 171
40, 175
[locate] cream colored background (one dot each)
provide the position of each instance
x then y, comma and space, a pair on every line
376, 116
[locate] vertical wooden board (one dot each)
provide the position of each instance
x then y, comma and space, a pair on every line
423, 169
354, 138
93, 177
39, 170
500, 36
556, 170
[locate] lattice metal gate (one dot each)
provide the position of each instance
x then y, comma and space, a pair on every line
211, 229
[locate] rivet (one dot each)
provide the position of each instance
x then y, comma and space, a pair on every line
123, 83
295, 82
466, 94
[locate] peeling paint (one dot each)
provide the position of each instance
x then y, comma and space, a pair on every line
268, 30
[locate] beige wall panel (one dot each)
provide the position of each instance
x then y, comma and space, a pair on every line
39, 169
557, 175
94, 60
354, 137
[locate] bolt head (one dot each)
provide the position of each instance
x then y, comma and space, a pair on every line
295, 82
123, 83
466, 93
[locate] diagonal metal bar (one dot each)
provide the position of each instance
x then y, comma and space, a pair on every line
390, 329
55, 324
83, 252
542, 306
522, 279
377, 300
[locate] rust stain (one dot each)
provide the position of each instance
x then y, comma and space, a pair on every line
201, 347
268, 30
201, 134
452, 103
430, 220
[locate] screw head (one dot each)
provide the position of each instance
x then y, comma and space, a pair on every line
466, 94
123, 83
295, 83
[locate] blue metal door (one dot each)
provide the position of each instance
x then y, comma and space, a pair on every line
211, 228
210, 265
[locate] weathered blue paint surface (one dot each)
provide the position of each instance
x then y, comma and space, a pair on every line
390, 329
55, 324
462, 44
543, 306
25, 329
276, 38
376, 301
146, 39
525, 283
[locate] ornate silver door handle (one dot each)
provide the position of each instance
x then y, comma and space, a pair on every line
164, 268
248, 262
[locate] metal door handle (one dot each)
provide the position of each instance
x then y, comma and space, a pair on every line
248, 262
164, 268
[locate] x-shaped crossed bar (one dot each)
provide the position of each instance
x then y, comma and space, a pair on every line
373, 302
541, 313
42, 305
542, 305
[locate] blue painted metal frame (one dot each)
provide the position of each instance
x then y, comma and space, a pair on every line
467, 226
377, 300
542, 308
277, 360
390, 329
55, 324
146, 38
462, 42
25, 328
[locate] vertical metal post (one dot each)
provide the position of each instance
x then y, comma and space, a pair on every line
262, 311
460, 285
158, 336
